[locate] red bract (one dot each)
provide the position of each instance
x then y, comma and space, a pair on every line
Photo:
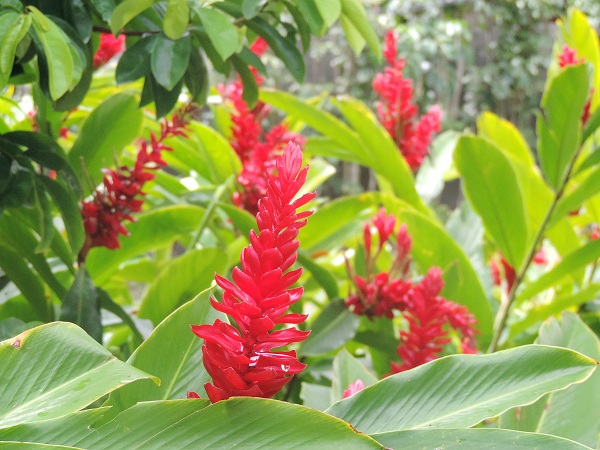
241, 360
429, 316
353, 388
104, 214
256, 149
501, 269
109, 47
397, 113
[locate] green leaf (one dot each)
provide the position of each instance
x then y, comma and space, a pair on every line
591, 126
218, 153
164, 100
125, 11
315, 396
16, 31
491, 185
250, 93
436, 169
65, 369
45, 227
174, 354
196, 78
176, 19
135, 62
27, 281
347, 369
506, 136
54, 47
426, 397
572, 413
355, 40
312, 15
32, 446
474, 439
285, 49
321, 275
181, 280
330, 11
587, 254
355, 12
321, 121
104, 7
109, 128
69, 209
222, 33
192, 424
151, 231
170, 60
571, 201
559, 129
251, 8
80, 306
334, 327
382, 154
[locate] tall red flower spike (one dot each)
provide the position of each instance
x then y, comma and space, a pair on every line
397, 113
109, 47
256, 148
568, 57
429, 316
241, 360
104, 214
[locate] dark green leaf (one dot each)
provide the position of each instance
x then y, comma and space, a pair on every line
45, 227
250, 8
310, 11
108, 304
196, 78
303, 27
78, 14
170, 60
80, 306
164, 101
284, 48
105, 8
331, 329
250, 94
135, 62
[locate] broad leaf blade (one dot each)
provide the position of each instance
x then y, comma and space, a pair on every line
54, 370
462, 390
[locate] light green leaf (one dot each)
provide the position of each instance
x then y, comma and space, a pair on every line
559, 129
9, 41
462, 390
570, 263
56, 49
180, 281
382, 154
492, 187
174, 354
218, 153
334, 327
355, 12
437, 168
571, 201
176, 19
506, 136
355, 40
192, 424
315, 396
107, 130
125, 11
347, 369
330, 11
572, 413
314, 17
222, 33
53, 370
474, 439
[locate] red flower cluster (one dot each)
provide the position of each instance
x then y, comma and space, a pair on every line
568, 57
397, 113
104, 214
241, 360
256, 149
109, 47
428, 315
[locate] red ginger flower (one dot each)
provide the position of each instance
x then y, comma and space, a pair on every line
109, 47
428, 315
397, 113
568, 57
256, 149
104, 214
353, 388
506, 271
241, 360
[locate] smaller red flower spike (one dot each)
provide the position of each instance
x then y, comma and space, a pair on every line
241, 360
506, 271
104, 214
256, 149
109, 47
353, 388
397, 113
428, 315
